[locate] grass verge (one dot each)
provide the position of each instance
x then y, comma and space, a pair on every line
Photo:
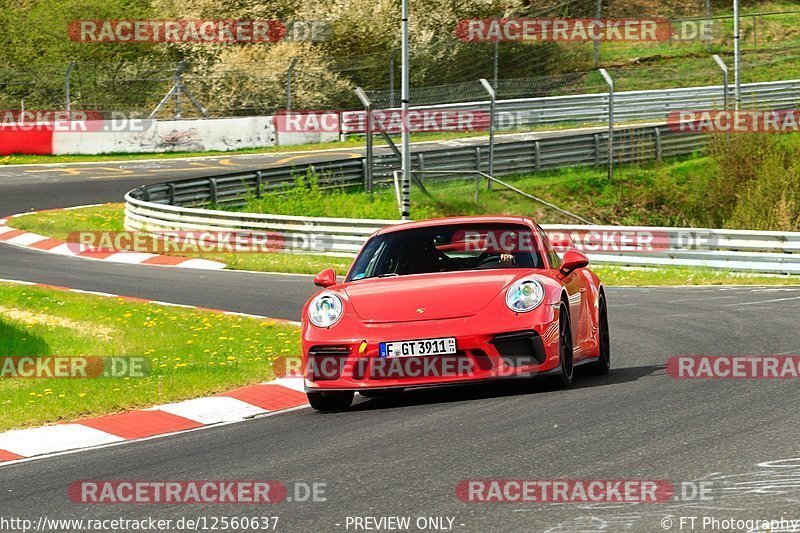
191, 353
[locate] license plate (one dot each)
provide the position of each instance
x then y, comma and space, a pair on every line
423, 347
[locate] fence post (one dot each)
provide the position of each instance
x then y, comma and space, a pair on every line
610, 83
708, 25
598, 13
289, 84
367, 103
391, 77
755, 31
66, 88
724, 69
496, 58
737, 56
478, 158
492, 97
178, 85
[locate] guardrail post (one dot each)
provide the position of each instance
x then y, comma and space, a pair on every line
478, 158
597, 149
537, 156
258, 184
657, 143
610, 82
212, 190
171, 189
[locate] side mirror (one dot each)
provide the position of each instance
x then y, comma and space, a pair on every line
573, 260
326, 278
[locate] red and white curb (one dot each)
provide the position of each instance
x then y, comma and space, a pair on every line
237, 405
233, 406
40, 243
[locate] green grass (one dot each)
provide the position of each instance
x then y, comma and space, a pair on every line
671, 193
620, 276
192, 353
661, 65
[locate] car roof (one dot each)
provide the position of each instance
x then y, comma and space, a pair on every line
479, 219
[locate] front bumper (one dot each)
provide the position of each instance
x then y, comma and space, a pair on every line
488, 347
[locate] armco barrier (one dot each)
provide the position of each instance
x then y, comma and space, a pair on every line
653, 105
737, 250
537, 152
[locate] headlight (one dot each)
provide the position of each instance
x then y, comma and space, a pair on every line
524, 295
325, 310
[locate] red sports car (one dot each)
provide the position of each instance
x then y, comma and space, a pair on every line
452, 300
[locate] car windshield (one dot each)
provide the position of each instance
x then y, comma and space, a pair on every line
447, 248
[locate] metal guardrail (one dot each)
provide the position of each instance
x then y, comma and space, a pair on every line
738, 250
334, 236
628, 105
631, 144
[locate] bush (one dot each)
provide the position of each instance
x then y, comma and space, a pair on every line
756, 181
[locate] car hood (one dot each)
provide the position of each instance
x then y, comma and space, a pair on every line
427, 296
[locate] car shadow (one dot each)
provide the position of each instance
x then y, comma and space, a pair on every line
584, 378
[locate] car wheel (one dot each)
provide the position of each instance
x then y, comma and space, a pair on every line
564, 377
380, 393
603, 363
330, 401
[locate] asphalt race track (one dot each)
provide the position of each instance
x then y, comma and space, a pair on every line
404, 456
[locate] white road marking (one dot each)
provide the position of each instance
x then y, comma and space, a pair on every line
765, 301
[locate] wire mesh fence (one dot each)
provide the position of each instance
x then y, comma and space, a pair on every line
237, 88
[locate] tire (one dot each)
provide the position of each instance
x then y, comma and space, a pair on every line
564, 378
380, 393
330, 401
603, 364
